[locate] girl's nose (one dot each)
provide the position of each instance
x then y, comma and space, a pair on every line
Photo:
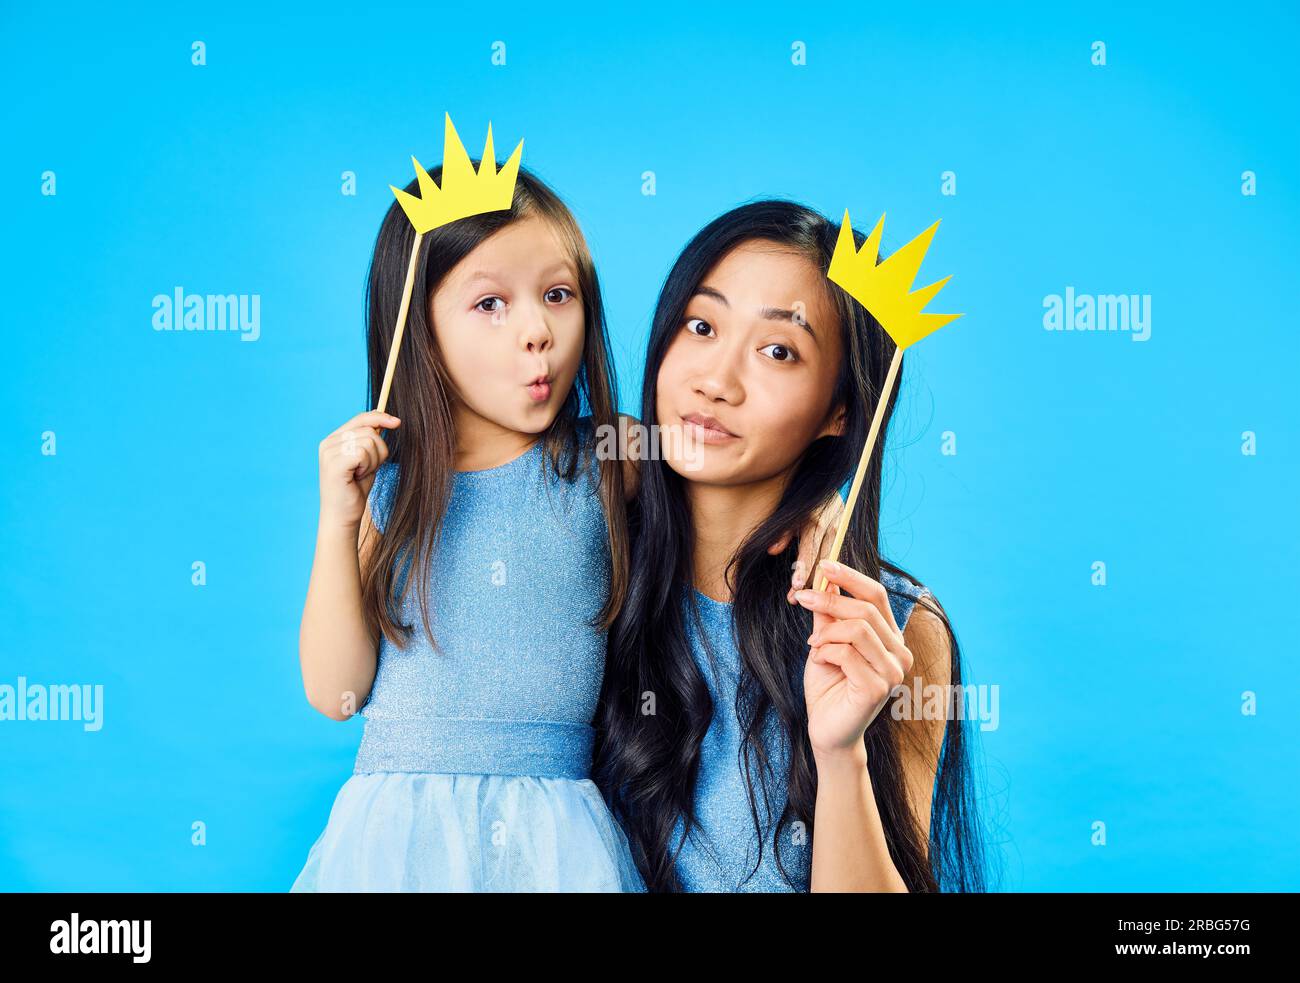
536, 337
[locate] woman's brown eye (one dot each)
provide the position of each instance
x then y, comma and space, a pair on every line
695, 325
780, 353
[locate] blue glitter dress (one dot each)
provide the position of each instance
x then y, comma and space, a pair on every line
473, 769
722, 853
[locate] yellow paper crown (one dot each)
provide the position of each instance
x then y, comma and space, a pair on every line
886, 290
463, 192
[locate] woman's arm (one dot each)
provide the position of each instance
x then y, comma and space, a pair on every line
336, 650
858, 656
849, 848
922, 740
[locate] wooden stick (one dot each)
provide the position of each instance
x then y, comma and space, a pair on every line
401, 325
847, 514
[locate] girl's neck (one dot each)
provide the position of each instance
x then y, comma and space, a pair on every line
482, 444
723, 516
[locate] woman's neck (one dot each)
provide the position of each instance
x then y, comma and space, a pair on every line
723, 516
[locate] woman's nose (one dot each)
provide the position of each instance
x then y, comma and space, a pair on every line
720, 379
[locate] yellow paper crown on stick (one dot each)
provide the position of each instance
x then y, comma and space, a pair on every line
886, 289
463, 192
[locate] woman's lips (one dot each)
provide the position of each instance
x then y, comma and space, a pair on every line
707, 431
539, 392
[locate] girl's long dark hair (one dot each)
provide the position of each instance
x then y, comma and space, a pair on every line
422, 393
647, 763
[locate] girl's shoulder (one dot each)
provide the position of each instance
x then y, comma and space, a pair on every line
587, 448
586, 427
588, 435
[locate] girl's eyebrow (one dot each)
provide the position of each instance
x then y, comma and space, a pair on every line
478, 275
560, 267
766, 313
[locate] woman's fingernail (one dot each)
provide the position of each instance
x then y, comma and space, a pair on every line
830, 566
814, 639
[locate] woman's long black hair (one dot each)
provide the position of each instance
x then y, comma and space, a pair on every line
647, 763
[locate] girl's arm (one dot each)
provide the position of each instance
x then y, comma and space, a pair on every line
858, 656
336, 649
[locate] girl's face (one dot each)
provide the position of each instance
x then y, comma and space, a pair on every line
747, 384
509, 324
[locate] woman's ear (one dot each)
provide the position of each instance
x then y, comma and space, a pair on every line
834, 425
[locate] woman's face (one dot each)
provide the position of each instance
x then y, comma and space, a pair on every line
747, 380
505, 316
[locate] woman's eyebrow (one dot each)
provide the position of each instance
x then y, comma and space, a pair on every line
767, 313
781, 314
717, 295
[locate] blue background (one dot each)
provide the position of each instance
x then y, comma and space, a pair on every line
1118, 704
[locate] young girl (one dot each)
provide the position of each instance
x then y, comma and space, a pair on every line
470, 555
772, 760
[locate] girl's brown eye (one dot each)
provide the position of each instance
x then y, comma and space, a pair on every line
558, 295
693, 325
489, 300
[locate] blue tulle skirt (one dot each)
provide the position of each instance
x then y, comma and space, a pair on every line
418, 831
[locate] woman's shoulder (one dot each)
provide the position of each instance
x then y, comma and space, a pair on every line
904, 591
924, 625
903, 583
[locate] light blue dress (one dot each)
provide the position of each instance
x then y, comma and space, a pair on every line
474, 764
722, 853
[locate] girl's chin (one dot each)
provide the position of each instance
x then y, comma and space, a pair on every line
521, 419
535, 418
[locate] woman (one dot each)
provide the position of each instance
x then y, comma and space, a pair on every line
736, 757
